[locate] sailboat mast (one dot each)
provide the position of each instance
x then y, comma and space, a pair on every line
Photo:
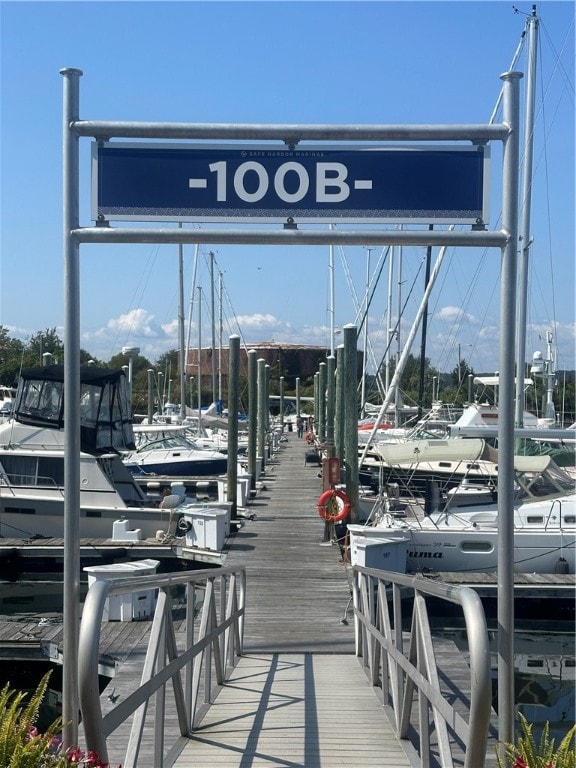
220, 331
389, 318
394, 384
424, 334
181, 331
365, 359
199, 359
191, 311
398, 340
549, 410
525, 240
331, 278
213, 345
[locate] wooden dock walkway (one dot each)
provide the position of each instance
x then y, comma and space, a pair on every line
298, 590
295, 709
298, 696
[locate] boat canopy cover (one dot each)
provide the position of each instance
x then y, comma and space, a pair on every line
105, 420
494, 381
417, 451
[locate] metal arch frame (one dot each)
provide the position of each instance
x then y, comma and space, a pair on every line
74, 235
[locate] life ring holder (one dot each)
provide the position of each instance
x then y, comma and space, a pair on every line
330, 499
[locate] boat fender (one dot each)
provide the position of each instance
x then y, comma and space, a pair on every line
333, 505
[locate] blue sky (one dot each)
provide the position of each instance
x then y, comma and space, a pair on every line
277, 62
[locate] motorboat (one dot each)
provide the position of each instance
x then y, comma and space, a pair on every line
172, 454
32, 462
459, 531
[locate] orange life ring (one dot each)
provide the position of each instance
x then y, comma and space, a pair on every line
333, 505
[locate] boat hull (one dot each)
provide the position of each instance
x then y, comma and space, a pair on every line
180, 467
474, 551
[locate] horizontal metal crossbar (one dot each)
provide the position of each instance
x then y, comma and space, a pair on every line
106, 234
289, 134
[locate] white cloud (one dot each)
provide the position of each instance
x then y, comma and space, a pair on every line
454, 314
136, 323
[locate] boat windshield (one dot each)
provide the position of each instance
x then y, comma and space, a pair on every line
552, 480
431, 430
168, 444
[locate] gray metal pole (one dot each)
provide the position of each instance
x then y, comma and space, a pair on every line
200, 359
233, 405
290, 133
316, 400
351, 418
252, 416
282, 403
511, 113
267, 391
150, 395
213, 337
330, 398
525, 241
339, 410
262, 425
71, 603
297, 397
322, 402
160, 392
183, 352
415, 237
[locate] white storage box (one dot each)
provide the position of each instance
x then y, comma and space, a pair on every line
208, 528
132, 605
386, 554
226, 508
242, 490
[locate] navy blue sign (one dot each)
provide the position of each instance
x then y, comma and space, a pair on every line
148, 182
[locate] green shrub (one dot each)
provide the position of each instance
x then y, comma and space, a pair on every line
22, 746
528, 754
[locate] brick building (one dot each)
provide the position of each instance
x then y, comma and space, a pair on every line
285, 359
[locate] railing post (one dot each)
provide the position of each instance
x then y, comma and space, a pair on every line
416, 668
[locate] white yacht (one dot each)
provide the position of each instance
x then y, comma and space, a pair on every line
32, 461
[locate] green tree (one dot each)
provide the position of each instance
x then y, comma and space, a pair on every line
11, 354
43, 342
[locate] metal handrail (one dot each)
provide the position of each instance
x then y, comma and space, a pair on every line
212, 646
397, 673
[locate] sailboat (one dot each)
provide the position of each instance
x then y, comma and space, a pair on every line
460, 532
457, 527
